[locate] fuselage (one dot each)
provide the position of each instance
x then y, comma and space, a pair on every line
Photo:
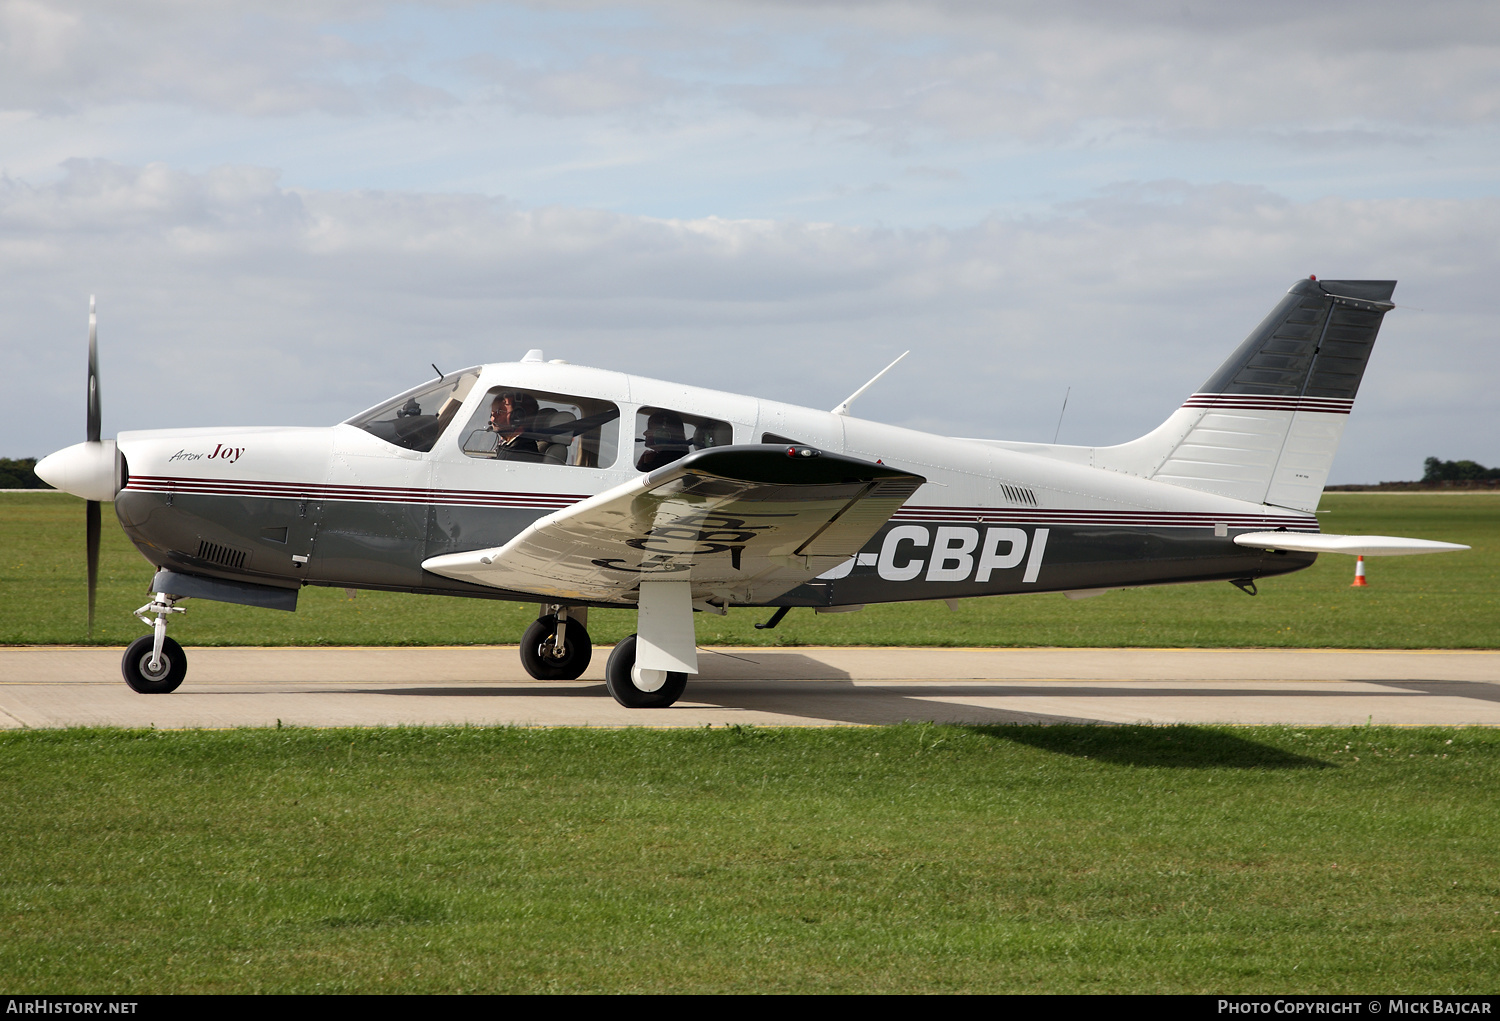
362, 504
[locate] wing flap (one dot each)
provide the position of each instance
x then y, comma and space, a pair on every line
1353, 545
740, 524
846, 532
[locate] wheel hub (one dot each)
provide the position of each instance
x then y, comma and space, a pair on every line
163, 668
647, 680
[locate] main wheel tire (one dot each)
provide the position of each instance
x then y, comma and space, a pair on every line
136, 666
536, 650
621, 684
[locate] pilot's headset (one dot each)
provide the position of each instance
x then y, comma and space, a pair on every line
526, 408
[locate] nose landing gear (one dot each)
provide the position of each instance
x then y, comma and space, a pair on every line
155, 664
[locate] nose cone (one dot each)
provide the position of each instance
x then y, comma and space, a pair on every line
87, 470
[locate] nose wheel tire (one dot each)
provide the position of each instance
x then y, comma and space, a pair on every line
544, 661
136, 666
640, 689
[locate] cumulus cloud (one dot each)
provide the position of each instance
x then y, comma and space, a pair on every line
1055, 70
226, 297
1028, 70
63, 56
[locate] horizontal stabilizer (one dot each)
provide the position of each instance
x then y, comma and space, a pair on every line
1354, 545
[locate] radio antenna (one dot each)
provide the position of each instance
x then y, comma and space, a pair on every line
1060, 414
843, 409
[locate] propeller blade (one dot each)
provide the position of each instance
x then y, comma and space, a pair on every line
91, 510
93, 420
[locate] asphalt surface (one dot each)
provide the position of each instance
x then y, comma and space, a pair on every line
60, 687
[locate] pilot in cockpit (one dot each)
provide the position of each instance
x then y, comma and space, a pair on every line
665, 441
510, 415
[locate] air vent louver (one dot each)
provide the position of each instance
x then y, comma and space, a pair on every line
1019, 494
224, 556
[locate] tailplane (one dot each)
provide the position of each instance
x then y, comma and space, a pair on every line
1265, 426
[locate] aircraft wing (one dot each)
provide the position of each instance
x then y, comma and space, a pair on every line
740, 523
1354, 545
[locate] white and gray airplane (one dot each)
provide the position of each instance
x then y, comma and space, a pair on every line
579, 487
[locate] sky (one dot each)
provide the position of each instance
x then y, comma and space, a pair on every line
288, 210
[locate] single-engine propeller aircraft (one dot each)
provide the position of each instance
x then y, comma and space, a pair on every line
580, 487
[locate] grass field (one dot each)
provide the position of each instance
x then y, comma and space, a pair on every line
1448, 601
902, 859
912, 859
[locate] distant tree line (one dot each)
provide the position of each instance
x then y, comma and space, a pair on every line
1457, 471
20, 473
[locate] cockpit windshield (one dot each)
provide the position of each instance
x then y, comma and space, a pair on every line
417, 418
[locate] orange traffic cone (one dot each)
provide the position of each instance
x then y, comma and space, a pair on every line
1359, 574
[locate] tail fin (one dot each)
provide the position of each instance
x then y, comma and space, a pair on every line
1265, 426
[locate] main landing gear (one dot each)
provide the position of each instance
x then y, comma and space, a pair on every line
155, 664
636, 687
556, 647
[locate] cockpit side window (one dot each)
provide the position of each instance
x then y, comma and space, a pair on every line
417, 418
513, 424
662, 436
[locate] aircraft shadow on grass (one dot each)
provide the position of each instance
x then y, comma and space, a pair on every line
806, 688
1176, 747
841, 701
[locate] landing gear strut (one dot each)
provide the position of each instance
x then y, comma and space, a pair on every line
556, 647
155, 664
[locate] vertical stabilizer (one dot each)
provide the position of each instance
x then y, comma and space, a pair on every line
1265, 426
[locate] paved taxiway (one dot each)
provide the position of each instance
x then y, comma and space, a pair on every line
48, 687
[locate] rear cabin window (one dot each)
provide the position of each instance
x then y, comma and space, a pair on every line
662, 436
543, 428
417, 418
